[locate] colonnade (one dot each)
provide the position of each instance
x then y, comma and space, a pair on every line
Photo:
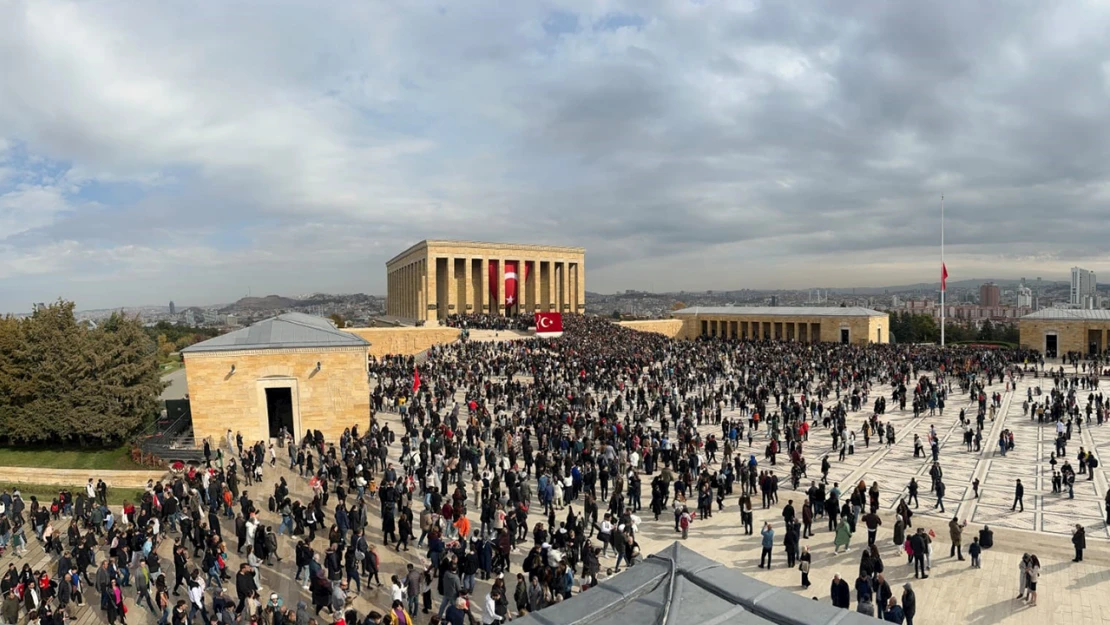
433, 285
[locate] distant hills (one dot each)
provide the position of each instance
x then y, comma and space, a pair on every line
258, 304
935, 286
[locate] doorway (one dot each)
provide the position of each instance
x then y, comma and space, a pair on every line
844, 335
1050, 346
279, 410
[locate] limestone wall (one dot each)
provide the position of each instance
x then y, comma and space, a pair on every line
405, 341
77, 478
330, 399
671, 328
1071, 334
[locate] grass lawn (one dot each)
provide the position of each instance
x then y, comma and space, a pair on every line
47, 492
171, 366
100, 459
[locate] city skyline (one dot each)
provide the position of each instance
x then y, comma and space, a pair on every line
149, 152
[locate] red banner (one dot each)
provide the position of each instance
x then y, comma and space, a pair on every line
512, 279
549, 323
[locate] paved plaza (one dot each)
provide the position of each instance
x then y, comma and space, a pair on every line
1069, 592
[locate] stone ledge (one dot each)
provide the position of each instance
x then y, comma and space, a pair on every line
78, 477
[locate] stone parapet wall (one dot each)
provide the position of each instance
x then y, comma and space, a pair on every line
670, 328
406, 341
77, 477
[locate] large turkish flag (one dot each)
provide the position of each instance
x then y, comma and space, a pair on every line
549, 324
511, 282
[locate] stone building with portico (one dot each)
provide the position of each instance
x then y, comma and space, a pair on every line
434, 279
805, 324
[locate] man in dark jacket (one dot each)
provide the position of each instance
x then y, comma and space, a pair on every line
840, 592
244, 586
919, 547
1079, 539
909, 603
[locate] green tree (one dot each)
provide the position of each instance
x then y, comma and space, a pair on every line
338, 320
924, 329
63, 383
986, 331
616, 314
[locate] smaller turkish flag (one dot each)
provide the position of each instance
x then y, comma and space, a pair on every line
943, 277
415, 381
549, 324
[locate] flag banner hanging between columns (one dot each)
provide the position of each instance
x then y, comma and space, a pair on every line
510, 284
494, 289
549, 324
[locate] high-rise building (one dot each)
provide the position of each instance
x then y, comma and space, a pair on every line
1025, 296
173, 309
1083, 289
990, 295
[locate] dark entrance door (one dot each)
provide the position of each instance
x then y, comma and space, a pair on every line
1050, 346
279, 409
844, 335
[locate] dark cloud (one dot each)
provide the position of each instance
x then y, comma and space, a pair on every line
648, 132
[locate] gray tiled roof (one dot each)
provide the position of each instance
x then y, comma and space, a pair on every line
782, 311
1070, 313
283, 331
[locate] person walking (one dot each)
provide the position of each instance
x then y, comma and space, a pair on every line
909, 603
1019, 494
843, 536
768, 541
840, 592
1079, 540
805, 561
939, 488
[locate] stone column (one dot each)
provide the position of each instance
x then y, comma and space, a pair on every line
452, 287
422, 293
407, 298
582, 282
550, 284
534, 289
431, 288
498, 307
483, 288
564, 288
468, 287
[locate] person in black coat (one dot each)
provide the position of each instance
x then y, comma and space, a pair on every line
841, 593
909, 603
1079, 539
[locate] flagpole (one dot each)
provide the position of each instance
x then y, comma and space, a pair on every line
942, 289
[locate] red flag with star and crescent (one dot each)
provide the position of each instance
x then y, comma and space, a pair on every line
943, 277
415, 381
549, 324
511, 281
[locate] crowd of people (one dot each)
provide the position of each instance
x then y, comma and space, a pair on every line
523, 464
520, 322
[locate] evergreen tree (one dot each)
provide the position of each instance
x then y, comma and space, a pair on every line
63, 383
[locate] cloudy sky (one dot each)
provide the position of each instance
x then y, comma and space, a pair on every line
155, 150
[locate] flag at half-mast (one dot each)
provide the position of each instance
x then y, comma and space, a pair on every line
943, 277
